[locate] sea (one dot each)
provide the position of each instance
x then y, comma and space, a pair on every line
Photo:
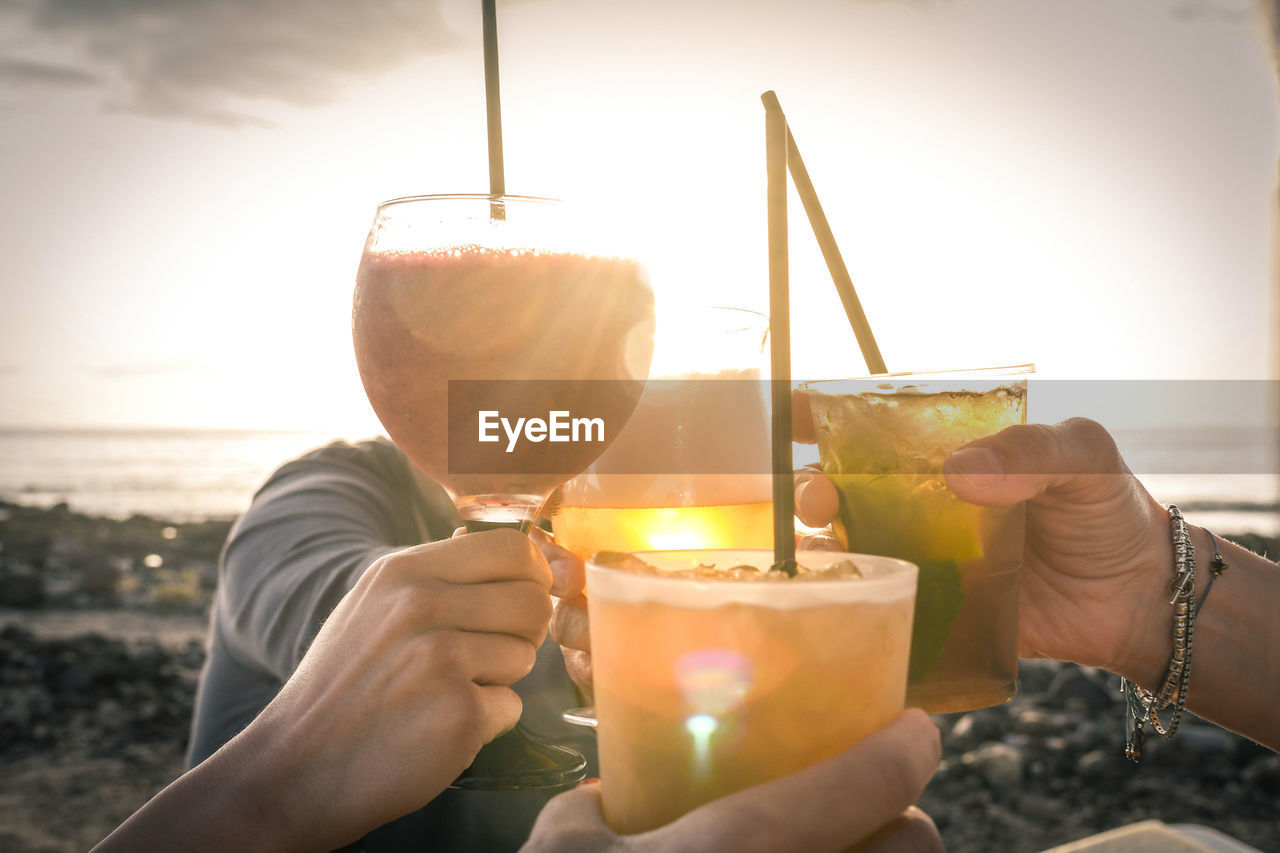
1224, 479
171, 474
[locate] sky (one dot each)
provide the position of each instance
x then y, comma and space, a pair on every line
185, 188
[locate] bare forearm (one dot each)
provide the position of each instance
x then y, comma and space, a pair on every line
228, 802
1235, 665
1235, 675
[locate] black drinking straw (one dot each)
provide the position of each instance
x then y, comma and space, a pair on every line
827, 243
493, 110
784, 511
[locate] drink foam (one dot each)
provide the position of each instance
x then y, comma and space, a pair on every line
710, 578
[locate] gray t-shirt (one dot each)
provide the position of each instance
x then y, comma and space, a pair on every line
312, 529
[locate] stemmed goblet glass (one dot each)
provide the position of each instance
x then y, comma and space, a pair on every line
471, 307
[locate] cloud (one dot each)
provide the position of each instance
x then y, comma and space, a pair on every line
1233, 11
34, 73
203, 59
131, 370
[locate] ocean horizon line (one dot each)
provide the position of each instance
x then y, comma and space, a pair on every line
164, 429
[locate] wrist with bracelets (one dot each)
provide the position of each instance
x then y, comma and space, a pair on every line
1141, 705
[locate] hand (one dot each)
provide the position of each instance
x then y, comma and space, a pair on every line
1095, 539
860, 797
817, 503
569, 623
404, 683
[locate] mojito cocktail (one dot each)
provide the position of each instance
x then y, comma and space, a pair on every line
882, 441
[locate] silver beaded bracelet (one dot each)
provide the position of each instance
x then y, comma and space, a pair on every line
1141, 705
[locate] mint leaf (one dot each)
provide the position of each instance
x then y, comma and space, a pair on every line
939, 595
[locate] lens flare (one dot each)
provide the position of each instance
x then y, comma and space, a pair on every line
700, 728
713, 681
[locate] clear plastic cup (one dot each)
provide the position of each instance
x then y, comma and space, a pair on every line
882, 441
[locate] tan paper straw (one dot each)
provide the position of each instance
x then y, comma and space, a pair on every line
493, 109
830, 251
784, 511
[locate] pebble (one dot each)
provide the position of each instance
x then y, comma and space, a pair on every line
1038, 722
978, 727
999, 764
1204, 740
1055, 744
1264, 775
1096, 763
1074, 690
1087, 735
113, 716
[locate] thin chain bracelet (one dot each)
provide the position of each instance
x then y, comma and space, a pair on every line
1141, 705
1216, 567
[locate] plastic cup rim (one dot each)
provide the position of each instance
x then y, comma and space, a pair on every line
904, 573
1011, 371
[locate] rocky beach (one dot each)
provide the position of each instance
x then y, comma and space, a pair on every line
100, 645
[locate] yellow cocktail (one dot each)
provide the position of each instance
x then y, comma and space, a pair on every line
711, 681
689, 470
585, 530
